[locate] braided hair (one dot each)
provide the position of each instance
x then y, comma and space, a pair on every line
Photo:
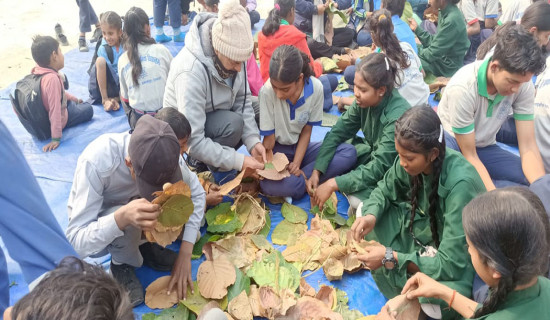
421, 128
509, 229
273, 21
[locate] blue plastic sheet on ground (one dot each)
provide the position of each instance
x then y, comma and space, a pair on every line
55, 170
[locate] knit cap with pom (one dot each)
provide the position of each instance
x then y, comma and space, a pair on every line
231, 34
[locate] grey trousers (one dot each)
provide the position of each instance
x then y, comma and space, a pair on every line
125, 249
87, 15
226, 127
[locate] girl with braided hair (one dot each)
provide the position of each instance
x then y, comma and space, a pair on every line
415, 211
508, 239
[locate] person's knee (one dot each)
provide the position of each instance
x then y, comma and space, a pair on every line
100, 63
364, 38
349, 74
88, 112
234, 129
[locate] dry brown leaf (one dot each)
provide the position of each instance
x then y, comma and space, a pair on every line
311, 308
280, 161
406, 309
214, 277
312, 266
272, 174
254, 300
229, 317
163, 235
288, 299
306, 289
333, 269
179, 187
239, 307
157, 297
240, 251
360, 246
302, 251
327, 295
270, 302
336, 251
255, 220
323, 228
229, 186
351, 263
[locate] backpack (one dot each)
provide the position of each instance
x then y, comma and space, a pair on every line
29, 108
108, 49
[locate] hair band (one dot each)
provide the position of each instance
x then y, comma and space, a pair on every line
387, 63
382, 16
440, 139
277, 7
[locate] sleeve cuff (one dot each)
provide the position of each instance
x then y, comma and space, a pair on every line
267, 132
190, 234
238, 161
491, 16
473, 21
251, 141
465, 130
314, 123
524, 117
108, 224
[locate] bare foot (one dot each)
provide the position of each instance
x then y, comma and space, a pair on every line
116, 104
108, 105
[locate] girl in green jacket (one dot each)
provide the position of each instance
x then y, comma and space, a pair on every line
376, 107
442, 54
415, 211
507, 234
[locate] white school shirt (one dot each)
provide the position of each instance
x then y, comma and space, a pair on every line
466, 107
155, 63
102, 181
486, 9
286, 120
412, 87
514, 10
542, 115
469, 11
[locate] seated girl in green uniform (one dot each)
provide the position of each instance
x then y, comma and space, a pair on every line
415, 213
376, 107
507, 234
442, 54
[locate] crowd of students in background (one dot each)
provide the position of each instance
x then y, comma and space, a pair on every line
421, 182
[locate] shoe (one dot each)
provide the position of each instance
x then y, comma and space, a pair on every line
157, 257
180, 37
196, 165
82, 45
60, 36
97, 34
125, 275
161, 38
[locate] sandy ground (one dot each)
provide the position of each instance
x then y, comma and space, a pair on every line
21, 20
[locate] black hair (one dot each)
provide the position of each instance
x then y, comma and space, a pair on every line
134, 22
396, 7
42, 49
112, 19
509, 229
379, 71
419, 130
287, 63
177, 121
381, 27
517, 51
75, 290
273, 20
536, 15
211, 3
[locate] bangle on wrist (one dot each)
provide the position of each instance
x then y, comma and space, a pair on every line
452, 299
56, 139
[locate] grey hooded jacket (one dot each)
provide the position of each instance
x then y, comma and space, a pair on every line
193, 82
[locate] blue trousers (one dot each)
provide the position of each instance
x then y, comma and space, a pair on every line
294, 186
87, 15
330, 82
28, 227
78, 113
504, 167
174, 10
254, 17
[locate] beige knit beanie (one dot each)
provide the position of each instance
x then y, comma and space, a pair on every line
231, 33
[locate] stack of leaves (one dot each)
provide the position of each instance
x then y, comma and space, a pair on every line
176, 207
322, 246
275, 168
292, 226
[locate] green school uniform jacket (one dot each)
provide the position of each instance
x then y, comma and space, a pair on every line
375, 152
443, 53
459, 183
531, 303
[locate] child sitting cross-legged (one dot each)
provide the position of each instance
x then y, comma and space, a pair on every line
64, 109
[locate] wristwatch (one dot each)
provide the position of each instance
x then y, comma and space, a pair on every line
389, 261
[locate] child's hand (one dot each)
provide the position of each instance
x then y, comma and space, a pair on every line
294, 169
108, 104
250, 162
321, 9
259, 151
313, 182
385, 314
51, 146
412, 24
420, 285
181, 271
362, 226
373, 258
116, 104
323, 192
213, 198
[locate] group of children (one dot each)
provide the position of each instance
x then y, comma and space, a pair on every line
440, 225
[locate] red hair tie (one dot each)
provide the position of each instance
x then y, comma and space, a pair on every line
277, 7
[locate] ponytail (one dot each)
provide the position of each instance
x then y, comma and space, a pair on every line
281, 11
379, 71
134, 23
422, 130
381, 27
287, 63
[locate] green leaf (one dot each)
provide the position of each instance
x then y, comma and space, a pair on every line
293, 214
329, 208
328, 64
336, 220
343, 308
315, 210
197, 248
286, 230
261, 242
179, 313
242, 282
195, 302
351, 220
268, 166
275, 272
335, 10
267, 227
176, 211
221, 219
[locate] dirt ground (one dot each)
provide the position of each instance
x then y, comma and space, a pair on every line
21, 20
